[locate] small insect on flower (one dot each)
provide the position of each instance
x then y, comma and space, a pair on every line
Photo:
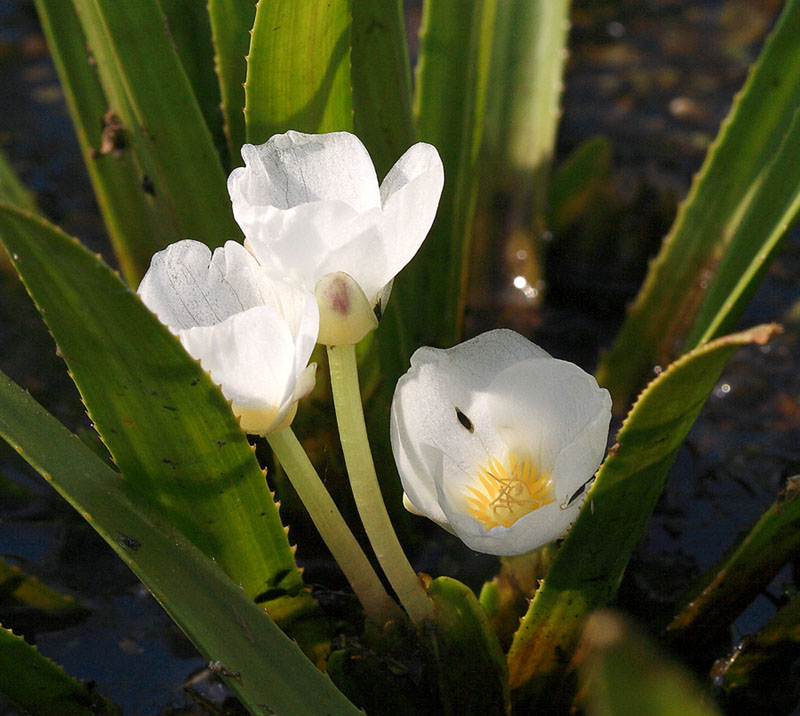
494, 440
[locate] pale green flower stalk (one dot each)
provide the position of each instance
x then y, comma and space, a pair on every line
366, 490
378, 605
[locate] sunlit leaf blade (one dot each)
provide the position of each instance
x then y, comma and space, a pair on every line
770, 213
169, 429
449, 103
472, 670
732, 193
624, 674
265, 669
523, 108
190, 29
147, 88
298, 69
738, 577
28, 605
231, 22
524, 99
760, 676
591, 561
35, 684
130, 213
381, 78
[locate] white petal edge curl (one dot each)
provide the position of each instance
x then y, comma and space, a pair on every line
296, 168
187, 286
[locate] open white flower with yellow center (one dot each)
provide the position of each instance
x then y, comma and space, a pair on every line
311, 207
494, 439
250, 329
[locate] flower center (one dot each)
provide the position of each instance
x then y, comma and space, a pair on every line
503, 495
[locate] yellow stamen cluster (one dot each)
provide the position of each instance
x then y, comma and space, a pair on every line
504, 495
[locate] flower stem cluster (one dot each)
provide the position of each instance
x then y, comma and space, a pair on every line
494, 439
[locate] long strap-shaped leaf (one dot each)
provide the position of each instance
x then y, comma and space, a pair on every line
231, 22
738, 577
735, 191
148, 89
587, 569
381, 78
759, 676
35, 684
169, 429
298, 69
449, 104
12, 190
190, 29
266, 670
130, 213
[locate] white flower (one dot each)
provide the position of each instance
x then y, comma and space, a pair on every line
251, 330
311, 207
493, 439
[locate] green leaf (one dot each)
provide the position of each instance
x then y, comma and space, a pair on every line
265, 668
168, 428
739, 205
473, 675
724, 591
591, 561
12, 190
160, 119
771, 211
577, 180
523, 108
298, 69
26, 602
131, 215
623, 674
41, 688
381, 77
524, 102
231, 22
451, 80
760, 674
190, 29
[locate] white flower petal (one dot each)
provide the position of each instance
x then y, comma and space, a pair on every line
296, 168
531, 531
186, 286
541, 407
410, 194
301, 240
251, 355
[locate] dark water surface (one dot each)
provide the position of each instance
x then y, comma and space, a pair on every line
656, 77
